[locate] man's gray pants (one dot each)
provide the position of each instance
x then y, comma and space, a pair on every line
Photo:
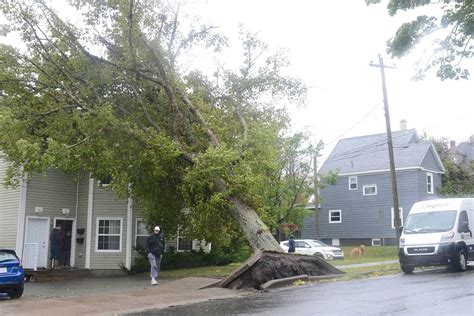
155, 265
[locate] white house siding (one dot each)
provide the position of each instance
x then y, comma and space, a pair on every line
52, 192
81, 224
137, 214
9, 206
107, 204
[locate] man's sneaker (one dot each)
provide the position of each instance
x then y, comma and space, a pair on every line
153, 282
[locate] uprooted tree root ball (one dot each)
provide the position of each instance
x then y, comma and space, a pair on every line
266, 266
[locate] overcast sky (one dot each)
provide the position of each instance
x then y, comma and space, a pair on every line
331, 44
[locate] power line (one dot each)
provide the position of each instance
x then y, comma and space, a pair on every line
357, 123
359, 149
362, 154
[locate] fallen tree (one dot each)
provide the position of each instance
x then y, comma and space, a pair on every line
266, 266
105, 96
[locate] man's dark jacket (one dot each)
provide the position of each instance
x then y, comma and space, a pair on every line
155, 244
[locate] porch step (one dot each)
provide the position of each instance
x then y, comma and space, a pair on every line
60, 274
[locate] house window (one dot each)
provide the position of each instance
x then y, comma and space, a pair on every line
185, 244
109, 235
429, 183
376, 242
335, 216
352, 183
141, 233
105, 181
370, 189
393, 217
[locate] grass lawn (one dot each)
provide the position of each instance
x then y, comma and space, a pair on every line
372, 254
209, 272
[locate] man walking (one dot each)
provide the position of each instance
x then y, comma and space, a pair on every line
155, 248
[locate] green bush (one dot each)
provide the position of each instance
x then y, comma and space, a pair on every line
190, 259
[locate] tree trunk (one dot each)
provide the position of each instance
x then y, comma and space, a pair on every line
257, 233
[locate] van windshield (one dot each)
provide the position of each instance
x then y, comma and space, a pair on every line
430, 222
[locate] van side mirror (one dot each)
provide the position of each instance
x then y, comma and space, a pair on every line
464, 227
400, 230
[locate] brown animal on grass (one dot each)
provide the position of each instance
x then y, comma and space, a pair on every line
358, 251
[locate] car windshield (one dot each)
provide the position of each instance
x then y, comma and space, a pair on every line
317, 243
6, 256
430, 222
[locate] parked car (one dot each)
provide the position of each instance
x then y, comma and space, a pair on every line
11, 274
314, 247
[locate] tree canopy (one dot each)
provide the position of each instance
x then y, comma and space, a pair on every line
458, 179
456, 18
106, 96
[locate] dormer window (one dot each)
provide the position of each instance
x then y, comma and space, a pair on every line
352, 183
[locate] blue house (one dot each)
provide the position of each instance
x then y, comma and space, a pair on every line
464, 152
358, 209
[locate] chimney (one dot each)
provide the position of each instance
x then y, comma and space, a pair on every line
403, 125
452, 144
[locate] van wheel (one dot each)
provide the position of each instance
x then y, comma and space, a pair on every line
407, 269
460, 261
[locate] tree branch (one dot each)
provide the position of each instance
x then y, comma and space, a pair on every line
210, 134
176, 113
188, 40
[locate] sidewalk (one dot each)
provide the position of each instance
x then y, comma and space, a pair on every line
166, 294
121, 295
367, 264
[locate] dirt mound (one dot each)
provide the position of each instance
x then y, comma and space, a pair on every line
266, 266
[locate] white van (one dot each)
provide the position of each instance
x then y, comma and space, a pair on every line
438, 232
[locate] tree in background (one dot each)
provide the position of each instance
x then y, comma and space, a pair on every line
458, 179
457, 19
292, 186
107, 96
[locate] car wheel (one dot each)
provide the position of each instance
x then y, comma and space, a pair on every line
319, 255
16, 293
460, 261
407, 269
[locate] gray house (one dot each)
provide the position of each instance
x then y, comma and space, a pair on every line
463, 152
358, 209
103, 229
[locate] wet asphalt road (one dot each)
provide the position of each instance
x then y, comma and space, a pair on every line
438, 292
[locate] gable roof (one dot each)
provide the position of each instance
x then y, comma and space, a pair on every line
370, 153
465, 151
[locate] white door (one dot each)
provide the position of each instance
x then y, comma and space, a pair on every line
36, 244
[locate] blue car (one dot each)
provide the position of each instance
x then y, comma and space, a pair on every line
11, 274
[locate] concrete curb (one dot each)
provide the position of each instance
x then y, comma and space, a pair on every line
215, 284
283, 282
325, 277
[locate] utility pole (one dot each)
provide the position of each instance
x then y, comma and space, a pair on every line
396, 207
316, 194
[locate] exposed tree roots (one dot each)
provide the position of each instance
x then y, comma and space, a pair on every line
265, 266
